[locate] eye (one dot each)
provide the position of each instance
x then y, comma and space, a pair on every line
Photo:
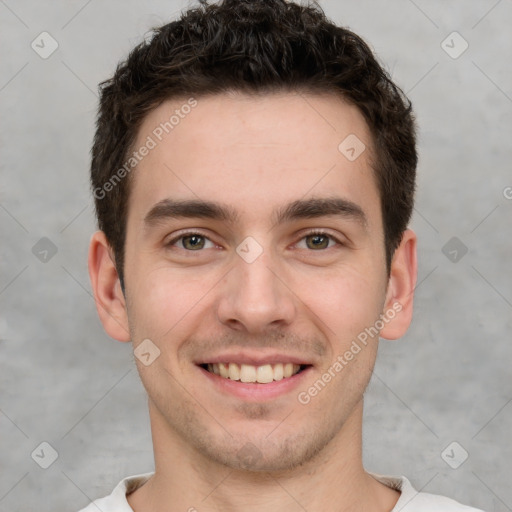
318, 240
191, 241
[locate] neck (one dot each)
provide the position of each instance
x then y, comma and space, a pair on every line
334, 480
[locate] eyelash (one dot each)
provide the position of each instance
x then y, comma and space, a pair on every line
315, 232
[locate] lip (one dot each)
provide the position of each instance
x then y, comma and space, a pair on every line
254, 391
255, 358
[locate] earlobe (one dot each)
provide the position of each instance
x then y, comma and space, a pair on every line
398, 307
109, 298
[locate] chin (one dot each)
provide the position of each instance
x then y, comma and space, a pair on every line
263, 454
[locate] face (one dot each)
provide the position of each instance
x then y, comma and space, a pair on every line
280, 271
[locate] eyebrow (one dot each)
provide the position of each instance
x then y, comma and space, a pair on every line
301, 209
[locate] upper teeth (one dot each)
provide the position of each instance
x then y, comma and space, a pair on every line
249, 373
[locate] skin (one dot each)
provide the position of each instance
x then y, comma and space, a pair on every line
255, 154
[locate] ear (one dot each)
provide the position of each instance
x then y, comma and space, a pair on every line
400, 292
109, 298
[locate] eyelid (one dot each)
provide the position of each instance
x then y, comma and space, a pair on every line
321, 231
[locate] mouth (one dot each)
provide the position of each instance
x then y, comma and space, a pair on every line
247, 373
255, 375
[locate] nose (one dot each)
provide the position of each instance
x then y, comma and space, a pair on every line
256, 297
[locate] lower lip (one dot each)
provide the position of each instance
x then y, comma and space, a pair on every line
255, 391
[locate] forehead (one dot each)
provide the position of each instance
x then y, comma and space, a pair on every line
254, 153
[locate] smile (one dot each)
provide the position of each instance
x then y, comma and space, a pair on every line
249, 373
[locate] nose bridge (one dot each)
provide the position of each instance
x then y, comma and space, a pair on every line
254, 295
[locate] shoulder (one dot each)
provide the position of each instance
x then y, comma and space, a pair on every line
426, 502
413, 501
116, 501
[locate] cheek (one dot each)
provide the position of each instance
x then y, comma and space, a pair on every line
165, 301
346, 300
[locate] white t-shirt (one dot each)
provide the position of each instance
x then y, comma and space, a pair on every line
410, 500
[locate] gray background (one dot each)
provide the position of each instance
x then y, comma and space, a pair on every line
65, 382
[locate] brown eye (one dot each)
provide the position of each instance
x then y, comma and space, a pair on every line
193, 242
317, 241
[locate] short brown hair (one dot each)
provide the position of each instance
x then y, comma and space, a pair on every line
253, 46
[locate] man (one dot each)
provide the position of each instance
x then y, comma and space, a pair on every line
254, 172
